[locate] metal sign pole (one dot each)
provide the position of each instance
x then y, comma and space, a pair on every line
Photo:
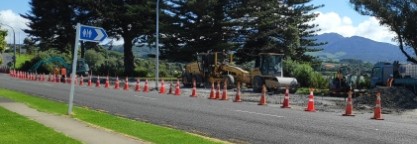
74, 64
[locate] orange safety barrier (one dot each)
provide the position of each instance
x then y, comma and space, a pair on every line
237, 97
378, 109
349, 105
310, 106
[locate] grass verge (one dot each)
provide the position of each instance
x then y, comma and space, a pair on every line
22, 58
19, 129
145, 131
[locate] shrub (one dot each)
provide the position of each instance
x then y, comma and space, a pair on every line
305, 74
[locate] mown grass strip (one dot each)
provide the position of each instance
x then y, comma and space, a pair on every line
15, 128
22, 58
145, 131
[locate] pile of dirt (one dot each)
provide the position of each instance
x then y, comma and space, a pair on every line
394, 98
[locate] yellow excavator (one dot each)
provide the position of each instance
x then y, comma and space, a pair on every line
218, 67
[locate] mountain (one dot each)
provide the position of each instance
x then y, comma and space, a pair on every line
355, 47
337, 48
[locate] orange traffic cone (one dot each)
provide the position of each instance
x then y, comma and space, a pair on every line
237, 97
117, 83
82, 81
68, 79
378, 110
89, 83
170, 88
126, 87
177, 89
194, 91
75, 80
49, 78
162, 88
217, 91
286, 102
262, 101
137, 87
107, 83
310, 106
146, 87
349, 105
224, 94
212, 96
98, 81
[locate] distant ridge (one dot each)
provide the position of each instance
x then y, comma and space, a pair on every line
356, 47
337, 48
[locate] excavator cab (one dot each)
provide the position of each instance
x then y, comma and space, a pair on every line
270, 64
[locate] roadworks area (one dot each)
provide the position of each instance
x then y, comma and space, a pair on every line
397, 101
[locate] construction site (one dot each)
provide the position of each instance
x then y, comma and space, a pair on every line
394, 100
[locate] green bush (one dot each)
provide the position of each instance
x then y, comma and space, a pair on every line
318, 81
305, 74
142, 73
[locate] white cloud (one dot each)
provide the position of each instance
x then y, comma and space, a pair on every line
370, 28
17, 22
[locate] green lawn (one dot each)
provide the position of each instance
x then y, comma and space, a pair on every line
145, 131
16, 129
22, 58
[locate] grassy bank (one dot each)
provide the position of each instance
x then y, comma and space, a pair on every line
18, 129
145, 131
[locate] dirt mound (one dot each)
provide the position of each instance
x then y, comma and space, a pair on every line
395, 98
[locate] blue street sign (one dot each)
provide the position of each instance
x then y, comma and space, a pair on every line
93, 34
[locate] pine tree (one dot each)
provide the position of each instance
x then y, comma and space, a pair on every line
197, 26
279, 27
127, 19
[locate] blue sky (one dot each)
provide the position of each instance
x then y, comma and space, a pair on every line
336, 16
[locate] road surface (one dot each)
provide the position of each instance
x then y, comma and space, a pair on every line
236, 122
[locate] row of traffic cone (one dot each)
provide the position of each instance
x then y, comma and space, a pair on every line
213, 94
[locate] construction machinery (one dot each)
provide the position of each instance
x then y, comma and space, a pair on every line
401, 74
216, 66
82, 66
346, 79
268, 70
213, 67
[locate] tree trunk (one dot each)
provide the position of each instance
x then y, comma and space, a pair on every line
128, 56
400, 41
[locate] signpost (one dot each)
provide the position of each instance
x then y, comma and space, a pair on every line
83, 33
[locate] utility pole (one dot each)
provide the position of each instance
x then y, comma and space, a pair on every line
157, 45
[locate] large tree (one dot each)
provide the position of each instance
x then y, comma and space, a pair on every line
127, 19
197, 26
3, 34
52, 23
400, 16
279, 27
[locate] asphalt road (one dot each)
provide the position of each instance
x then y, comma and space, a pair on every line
235, 122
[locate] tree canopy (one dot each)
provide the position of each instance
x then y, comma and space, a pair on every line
279, 27
400, 16
3, 34
247, 27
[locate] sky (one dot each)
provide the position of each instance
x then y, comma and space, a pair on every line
336, 16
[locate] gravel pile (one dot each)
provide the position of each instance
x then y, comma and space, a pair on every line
392, 99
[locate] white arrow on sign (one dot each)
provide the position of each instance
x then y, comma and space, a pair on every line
100, 35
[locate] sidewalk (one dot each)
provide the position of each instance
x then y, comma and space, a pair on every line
69, 126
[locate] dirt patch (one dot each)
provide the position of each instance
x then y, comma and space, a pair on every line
396, 99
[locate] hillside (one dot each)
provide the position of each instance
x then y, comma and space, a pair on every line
356, 47
337, 48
